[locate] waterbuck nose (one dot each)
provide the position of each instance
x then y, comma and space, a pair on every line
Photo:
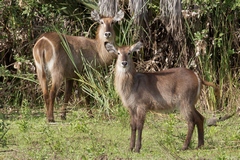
107, 34
124, 63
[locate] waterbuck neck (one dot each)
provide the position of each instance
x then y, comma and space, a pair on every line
104, 56
124, 80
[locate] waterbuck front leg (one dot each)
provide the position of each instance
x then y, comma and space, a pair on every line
140, 123
133, 131
68, 92
139, 137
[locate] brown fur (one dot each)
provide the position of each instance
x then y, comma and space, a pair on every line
51, 58
176, 88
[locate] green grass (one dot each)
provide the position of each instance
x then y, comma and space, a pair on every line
29, 136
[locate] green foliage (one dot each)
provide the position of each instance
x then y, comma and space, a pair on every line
81, 137
99, 85
3, 130
19, 80
154, 7
215, 46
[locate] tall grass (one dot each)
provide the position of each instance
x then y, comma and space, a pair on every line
215, 61
98, 84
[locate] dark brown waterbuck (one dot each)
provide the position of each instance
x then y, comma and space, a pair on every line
177, 88
51, 58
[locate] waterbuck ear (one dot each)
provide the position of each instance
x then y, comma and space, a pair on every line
119, 16
136, 47
95, 16
110, 48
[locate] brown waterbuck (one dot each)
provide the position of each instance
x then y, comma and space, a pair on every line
176, 88
51, 58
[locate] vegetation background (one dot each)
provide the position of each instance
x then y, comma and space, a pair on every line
203, 35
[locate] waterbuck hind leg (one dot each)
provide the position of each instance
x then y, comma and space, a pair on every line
68, 92
195, 119
200, 128
43, 82
56, 83
191, 126
50, 110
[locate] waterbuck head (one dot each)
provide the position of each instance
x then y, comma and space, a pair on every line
105, 29
124, 53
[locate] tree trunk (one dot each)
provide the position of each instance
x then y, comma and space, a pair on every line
108, 8
171, 15
138, 10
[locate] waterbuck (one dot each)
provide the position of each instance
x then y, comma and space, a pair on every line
51, 58
176, 88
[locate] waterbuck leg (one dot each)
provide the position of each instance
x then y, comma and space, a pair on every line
191, 126
140, 122
56, 83
89, 110
139, 138
68, 92
200, 129
46, 99
52, 96
43, 82
133, 132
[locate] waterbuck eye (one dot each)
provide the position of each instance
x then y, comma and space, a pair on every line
129, 53
101, 22
118, 53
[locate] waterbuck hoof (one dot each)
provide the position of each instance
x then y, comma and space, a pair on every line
90, 113
184, 148
130, 149
199, 146
63, 117
51, 120
137, 150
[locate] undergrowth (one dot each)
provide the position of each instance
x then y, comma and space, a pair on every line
80, 137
